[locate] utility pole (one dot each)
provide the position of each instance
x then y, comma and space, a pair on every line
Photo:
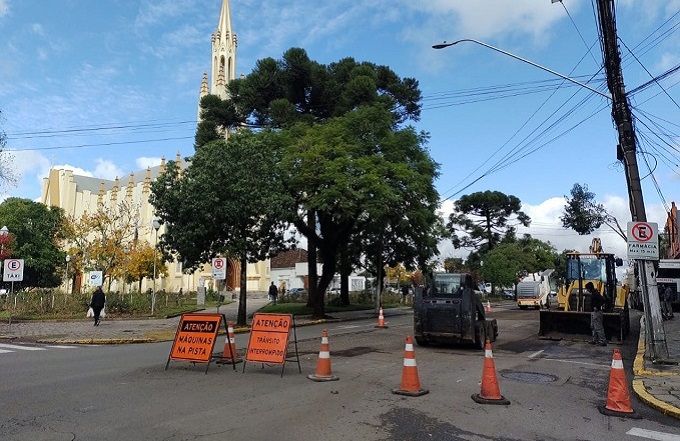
626, 152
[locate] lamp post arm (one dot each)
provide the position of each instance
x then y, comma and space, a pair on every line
517, 57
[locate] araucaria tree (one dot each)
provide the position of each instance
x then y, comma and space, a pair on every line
482, 220
583, 214
229, 201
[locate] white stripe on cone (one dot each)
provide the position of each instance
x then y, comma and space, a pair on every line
324, 340
410, 362
409, 347
488, 353
324, 354
617, 364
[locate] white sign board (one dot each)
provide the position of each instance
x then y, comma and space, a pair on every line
643, 240
14, 270
219, 268
96, 278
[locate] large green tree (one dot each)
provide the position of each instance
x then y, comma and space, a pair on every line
483, 219
583, 214
301, 96
229, 201
512, 260
37, 231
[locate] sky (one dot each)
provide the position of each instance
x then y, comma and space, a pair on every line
108, 87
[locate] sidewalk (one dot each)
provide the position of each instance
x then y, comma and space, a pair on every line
123, 331
655, 384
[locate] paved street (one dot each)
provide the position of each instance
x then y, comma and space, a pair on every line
60, 392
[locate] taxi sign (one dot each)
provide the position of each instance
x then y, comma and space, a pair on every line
219, 268
14, 270
269, 338
195, 337
643, 240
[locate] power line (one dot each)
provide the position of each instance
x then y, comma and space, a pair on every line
97, 145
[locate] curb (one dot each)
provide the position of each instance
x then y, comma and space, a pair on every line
649, 399
639, 388
97, 341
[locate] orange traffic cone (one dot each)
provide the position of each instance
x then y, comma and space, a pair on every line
618, 398
487, 307
229, 353
323, 366
491, 392
381, 320
410, 384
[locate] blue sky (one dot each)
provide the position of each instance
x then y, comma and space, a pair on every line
137, 65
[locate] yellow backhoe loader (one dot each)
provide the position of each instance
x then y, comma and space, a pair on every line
572, 318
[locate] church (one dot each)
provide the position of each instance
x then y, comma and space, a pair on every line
78, 195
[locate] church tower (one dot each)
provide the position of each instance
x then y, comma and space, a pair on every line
223, 55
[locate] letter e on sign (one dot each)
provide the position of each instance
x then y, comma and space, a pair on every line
14, 270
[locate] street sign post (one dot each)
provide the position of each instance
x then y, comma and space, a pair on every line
643, 240
219, 268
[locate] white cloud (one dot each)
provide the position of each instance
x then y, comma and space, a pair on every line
30, 161
107, 170
4, 7
144, 162
76, 170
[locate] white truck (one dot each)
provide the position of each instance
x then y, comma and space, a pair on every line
535, 293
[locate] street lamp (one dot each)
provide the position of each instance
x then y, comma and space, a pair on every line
68, 259
517, 57
156, 226
4, 232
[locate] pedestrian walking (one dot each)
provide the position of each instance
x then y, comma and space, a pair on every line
273, 292
97, 304
596, 316
666, 307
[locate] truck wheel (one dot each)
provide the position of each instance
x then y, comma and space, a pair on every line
422, 341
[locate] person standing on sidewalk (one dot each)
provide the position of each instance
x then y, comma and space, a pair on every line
666, 307
596, 316
97, 304
273, 292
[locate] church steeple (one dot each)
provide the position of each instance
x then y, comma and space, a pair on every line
223, 53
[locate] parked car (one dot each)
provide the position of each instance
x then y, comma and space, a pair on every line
296, 292
508, 294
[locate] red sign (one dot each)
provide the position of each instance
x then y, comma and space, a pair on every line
642, 232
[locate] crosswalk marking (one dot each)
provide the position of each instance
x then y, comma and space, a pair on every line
61, 347
651, 434
4, 351
21, 348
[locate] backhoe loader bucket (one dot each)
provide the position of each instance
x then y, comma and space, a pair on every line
572, 325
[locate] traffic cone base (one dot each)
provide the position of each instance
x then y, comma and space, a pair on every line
410, 383
479, 399
323, 365
490, 392
632, 415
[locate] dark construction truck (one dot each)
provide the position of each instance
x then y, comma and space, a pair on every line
448, 310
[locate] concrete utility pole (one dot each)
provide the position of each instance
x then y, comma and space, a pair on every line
627, 152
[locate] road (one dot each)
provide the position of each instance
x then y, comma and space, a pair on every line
123, 392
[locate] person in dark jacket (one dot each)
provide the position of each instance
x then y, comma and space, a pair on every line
97, 303
273, 292
596, 316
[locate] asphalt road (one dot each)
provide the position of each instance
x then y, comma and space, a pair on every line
124, 393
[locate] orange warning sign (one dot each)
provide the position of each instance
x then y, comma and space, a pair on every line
195, 337
269, 338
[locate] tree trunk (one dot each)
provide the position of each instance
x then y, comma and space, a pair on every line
141, 279
241, 317
345, 270
312, 288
